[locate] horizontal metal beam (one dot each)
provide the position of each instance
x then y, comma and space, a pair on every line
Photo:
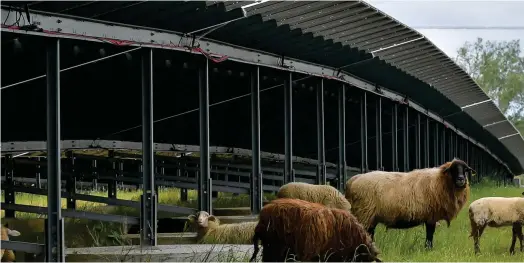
65, 26
26, 247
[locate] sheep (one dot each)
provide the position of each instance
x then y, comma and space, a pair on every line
405, 200
497, 212
7, 255
209, 230
311, 232
322, 194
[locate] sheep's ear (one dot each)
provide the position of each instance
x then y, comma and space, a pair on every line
212, 218
13, 233
191, 218
378, 260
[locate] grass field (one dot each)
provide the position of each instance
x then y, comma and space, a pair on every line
450, 244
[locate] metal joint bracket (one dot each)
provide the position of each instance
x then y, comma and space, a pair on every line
378, 89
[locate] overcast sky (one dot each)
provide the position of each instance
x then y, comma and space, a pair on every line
415, 13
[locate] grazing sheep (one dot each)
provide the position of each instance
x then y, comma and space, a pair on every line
497, 212
322, 194
209, 230
7, 255
405, 200
310, 232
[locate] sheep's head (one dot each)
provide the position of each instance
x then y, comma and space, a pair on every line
458, 170
202, 219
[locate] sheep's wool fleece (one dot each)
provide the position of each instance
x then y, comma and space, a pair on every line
6, 254
497, 211
238, 233
311, 231
322, 194
422, 195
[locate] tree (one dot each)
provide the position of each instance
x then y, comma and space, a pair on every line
498, 68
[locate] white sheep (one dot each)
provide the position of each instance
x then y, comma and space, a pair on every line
497, 212
327, 195
7, 255
210, 231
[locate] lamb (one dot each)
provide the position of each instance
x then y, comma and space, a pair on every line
7, 255
322, 194
210, 231
311, 232
497, 212
405, 200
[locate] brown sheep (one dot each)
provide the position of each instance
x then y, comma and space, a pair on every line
405, 200
7, 255
310, 232
497, 212
322, 194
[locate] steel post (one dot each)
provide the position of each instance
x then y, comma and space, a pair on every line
9, 193
443, 146
38, 174
204, 188
394, 137
111, 184
149, 198
256, 171
341, 173
321, 147
71, 180
418, 157
55, 250
426, 144
406, 138
436, 146
289, 175
378, 135
363, 133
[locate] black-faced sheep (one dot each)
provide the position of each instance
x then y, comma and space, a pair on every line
7, 255
497, 212
306, 231
405, 200
321, 194
210, 231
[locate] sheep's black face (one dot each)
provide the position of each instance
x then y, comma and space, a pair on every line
459, 171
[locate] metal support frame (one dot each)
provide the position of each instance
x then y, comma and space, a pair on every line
436, 147
289, 173
451, 146
418, 157
443, 146
426, 144
70, 180
256, 172
9, 193
321, 145
364, 133
394, 137
341, 171
92, 30
204, 177
95, 174
55, 248
405, 132
148, 222
378, 133
38, 174
112, 184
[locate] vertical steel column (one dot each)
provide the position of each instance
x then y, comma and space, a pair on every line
111, 184
394, 137
204, 179
95, 174
456, 145
70, 180
289, 173
148, 216
418, 162
9, 192
364, 133
38, 174
256, 172
406, 139
451, 145
342, 137
426, 144
378, 135
54, 222
321, 147
443, 146
436, 146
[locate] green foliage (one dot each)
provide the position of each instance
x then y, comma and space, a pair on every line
498, 68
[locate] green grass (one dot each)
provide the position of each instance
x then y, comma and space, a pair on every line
450, 244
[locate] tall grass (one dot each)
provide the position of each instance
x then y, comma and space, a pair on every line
450, 244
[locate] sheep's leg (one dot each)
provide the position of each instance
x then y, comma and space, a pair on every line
430, 230
476, 237
371, 230
517, 233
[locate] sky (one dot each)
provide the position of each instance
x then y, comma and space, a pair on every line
420, 13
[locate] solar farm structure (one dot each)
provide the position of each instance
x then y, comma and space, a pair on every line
232, 97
